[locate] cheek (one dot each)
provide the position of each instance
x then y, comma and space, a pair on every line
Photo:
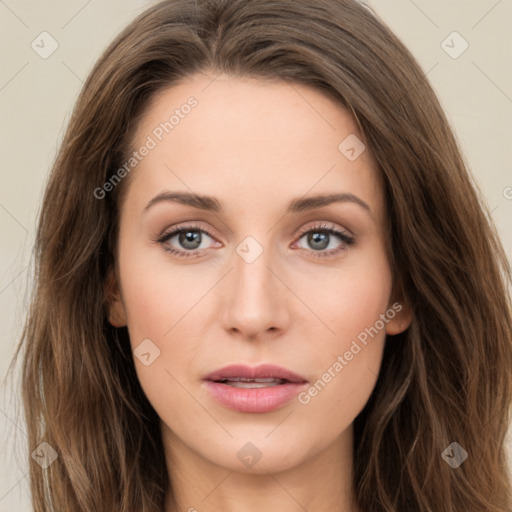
350, 298
156, 295
347, 358
157, 299
164, 307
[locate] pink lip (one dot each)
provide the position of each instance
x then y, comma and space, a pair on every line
263, 371
264, 399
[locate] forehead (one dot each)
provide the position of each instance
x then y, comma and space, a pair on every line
266, 141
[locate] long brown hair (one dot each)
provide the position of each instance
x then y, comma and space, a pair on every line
446, 379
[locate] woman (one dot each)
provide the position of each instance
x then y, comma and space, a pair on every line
264, 278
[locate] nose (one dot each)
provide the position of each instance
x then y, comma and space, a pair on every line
256, 303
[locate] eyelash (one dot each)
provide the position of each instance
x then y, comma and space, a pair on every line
323, 228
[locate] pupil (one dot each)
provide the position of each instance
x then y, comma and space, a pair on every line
188, 239
318, 240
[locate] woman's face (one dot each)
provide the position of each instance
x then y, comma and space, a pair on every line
265, 272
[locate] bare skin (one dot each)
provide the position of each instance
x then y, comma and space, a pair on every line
255, 146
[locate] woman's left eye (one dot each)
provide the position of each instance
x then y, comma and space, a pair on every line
319, 238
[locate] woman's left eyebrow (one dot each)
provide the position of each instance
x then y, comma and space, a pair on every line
310, 203
212, 204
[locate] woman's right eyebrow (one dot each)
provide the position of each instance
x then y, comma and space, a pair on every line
208, 203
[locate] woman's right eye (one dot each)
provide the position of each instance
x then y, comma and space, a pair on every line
188, 238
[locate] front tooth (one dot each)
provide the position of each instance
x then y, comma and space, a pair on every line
250, 385
265, 380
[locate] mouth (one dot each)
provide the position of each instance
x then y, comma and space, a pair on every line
241, 382
253, 389
266, 374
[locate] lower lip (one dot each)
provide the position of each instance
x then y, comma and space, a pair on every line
254, 399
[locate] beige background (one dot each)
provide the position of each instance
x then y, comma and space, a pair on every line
37, 95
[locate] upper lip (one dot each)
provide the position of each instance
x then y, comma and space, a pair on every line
264, 371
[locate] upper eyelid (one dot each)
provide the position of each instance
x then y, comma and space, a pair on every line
175, 230
319, 225
322, 225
